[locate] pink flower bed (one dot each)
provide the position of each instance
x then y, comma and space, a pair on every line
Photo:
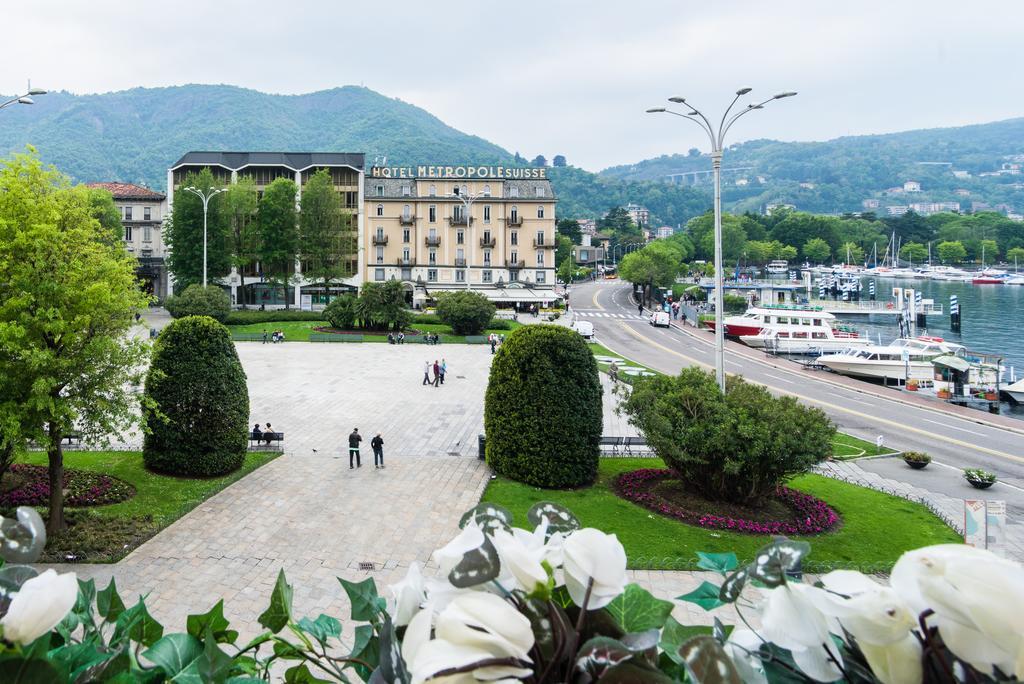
83, 488
811, 515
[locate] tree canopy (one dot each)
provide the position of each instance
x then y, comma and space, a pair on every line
183, 234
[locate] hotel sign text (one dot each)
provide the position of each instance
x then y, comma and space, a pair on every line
502, 172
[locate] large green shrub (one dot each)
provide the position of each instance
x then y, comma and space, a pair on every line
468, 313
341, 312
197, 300
542, 413
250, 316
738, 447
199, 418
382, 306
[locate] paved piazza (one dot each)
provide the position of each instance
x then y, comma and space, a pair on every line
308, 513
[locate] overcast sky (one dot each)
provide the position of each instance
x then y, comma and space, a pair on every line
556, 77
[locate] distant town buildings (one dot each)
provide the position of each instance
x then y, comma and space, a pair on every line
929, 208
807, 186
778, 206
870, 204
666, 231
588, 255
911, 186
742, 181
587, 226
898, 210
962, 192
961, 174
640, 215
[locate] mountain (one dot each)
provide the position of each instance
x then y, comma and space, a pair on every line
837, 175
134, 135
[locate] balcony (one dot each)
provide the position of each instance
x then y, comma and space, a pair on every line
405, 262
515, 264
543, 245
380, 240
460, 262
514, 220
407, 220
488, 242
432, 241
459, 221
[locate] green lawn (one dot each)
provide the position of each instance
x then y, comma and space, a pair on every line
298, 331
846, 447
108, 533
876, 527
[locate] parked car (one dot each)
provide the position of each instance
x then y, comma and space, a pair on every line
584, 328
660, 319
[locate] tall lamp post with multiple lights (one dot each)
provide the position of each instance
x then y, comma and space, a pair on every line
467, 199
206, 196
717, 138
25, 99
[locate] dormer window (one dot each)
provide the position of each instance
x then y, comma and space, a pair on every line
487, 191
406, 190
513, 192
433, 191
540, 191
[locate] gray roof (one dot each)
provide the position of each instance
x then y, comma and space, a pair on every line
297, 161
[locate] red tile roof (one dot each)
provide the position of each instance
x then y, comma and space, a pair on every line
128, 191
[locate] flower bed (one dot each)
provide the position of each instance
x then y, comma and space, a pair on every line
83, 488
810, 514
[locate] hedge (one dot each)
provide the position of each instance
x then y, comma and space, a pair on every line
199, 419
197, 300
542, 411
274, 316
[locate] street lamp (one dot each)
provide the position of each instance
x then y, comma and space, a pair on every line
206, 197
24, 99
717, 138
467, 199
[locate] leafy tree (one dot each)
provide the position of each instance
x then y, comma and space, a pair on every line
736, 447
914, 251
570, 228
239, 206
539, 160
468, 313
1015, 255
382, 306
817, 250
198, 411
558, 161
733, 240
68, 297
693, 152
564, 248
325, 231
543, 380
656, 265
990, 250
798, 227
786, 252
757, 251
851, 253
341, 312
183, 234
197, 300
277, 223
951, 252
683, 243
567, 269
104, 210
618, 222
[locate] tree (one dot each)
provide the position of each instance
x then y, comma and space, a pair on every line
542, 409
817, 250
198, 403
618, 222
325, 242
239, 205
68, 297
951, 252
276, 220
914, 251
341, 312
197, 300
736, 447
539, 160
693, 152
683, 243
656, 265
567, 269
1015, 255
570, 228
382, 306
989, 250
733, 240
104, 210
851, 253
559, 160
468, 313
564, 248
183, 234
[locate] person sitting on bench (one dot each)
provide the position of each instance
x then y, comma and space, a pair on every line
268, 434
257, 434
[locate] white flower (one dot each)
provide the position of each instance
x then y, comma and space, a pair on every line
520, 560
471, 537
741, 646
791, 620
977, 599
39, 606
590, 554
898, 663
409, 595
475, 626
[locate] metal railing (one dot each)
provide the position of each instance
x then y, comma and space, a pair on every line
407, 220
380, 239
514, 220
488, 242
432, 241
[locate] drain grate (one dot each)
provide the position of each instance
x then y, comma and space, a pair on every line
364, 565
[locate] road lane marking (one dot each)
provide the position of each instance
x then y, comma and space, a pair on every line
791, 382
952, 427
835, 407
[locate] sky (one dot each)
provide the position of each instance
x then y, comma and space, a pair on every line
551, 77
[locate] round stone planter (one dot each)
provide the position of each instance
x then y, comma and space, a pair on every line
916, 465
980, 484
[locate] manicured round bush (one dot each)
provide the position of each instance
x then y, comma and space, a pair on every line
200, 421
468, 313
341, 312
542, 412
197, 300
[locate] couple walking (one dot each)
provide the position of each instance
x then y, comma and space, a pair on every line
439, 369
377, 444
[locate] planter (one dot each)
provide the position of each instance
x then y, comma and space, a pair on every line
991, 396
916, 465
943, 394
980, 484
911, 388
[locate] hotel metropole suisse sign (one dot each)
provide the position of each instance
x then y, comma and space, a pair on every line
496, 172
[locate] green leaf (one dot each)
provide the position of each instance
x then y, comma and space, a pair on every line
773, 561
196, 624
86, 597
287, 651
75, 659
279, 612
300, 674
705, 596
637, 610
561, 597
323, 628
560, 518
174, 653
599, 655
721, 563
28, 671
108, 602
674, 635
477, 566
707, 662
214, 664
733, 585
137, 624
367, 649
366, 604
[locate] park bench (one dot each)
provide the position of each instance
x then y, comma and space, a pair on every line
609, 446
636, 446
421, 339
476, 339
331, 337
262, 440
74, 437
248, 336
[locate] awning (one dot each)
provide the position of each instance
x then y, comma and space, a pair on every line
519, 294
954, 362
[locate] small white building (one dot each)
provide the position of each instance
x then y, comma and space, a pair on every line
899, 210
870, 203
911, 186
666, 231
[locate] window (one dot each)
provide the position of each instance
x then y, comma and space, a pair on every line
539, 276
432, 233
513, 256
406, 210
433, 191
487, 236
487, 191
380, 255
380, 191
127, 213
147, 214
380, 232
540, 258
540, 211
540, 190
406, 190
514, 237
405, 235
465, 191
460, 276
487, 213
540, 237
405, 254
487, 257
380, 210
514, 214
147, 234
433, 213
513, 192
378, 274
432, 275
127, 233
583, 255
457, 213
433, 256
487, 276
460, 237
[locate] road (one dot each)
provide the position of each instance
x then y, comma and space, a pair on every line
954, 442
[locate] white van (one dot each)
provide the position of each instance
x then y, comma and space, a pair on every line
585, 328
660, 319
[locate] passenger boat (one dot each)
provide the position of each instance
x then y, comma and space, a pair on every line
803, 332
781, 316
1016, 391
905, 359
777, 267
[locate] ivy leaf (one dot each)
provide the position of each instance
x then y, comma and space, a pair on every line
137, 624
705, 596
476, 567
707, 662
196, 624
279, 612
484, 513
560, 518
674, 635
108, 602
599, 655
323, 628
174, 653
214, 664
367, 649
637, 610
733, 585
300, 674
86, 597
366, 604
75, 659
773, 561
392, 667
722, 563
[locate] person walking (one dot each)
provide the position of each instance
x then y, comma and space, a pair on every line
377, 444
437, 374
444, 370
640, 308
613, 372
264, 336
353, 448
426, 373
494, 342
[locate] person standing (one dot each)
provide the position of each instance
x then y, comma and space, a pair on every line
377, 444
353, 448
494, 342
444, 370
264, 336
437, 374
426, 373
613, 372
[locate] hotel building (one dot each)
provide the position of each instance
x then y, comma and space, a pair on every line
443, 228
264, 167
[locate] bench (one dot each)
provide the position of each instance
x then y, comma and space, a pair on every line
625, 446
610, 444
331, 337
264, 439
421, 339
476, 339
73, 438
248, 336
